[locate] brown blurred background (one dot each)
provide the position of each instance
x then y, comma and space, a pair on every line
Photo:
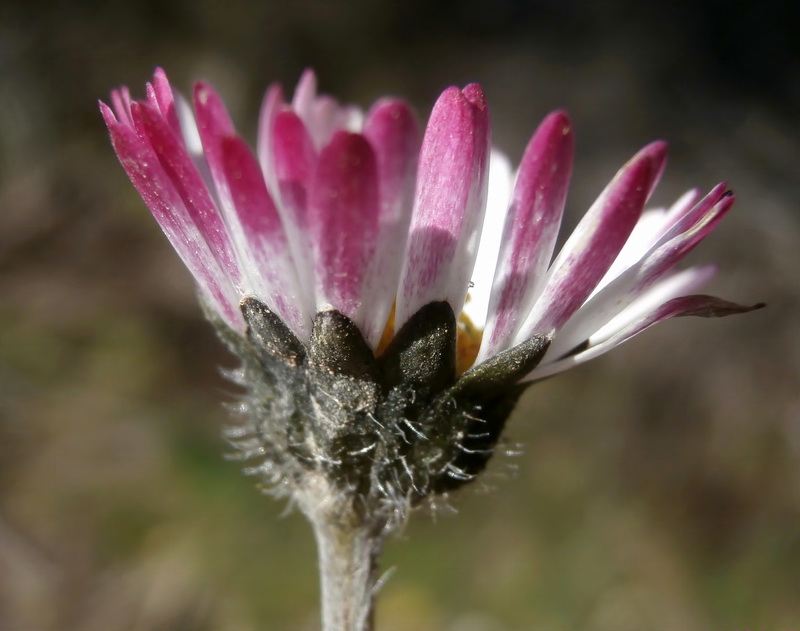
658, 488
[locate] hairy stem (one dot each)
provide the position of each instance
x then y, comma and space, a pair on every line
348, 563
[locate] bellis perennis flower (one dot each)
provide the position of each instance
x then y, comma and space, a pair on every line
346, 237
392, 293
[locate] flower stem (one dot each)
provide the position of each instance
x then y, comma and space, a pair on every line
348, 564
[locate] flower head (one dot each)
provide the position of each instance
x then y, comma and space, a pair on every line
389, 292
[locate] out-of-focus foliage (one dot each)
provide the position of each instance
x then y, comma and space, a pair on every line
658, 487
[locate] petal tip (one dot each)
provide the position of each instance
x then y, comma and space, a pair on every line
474, 94
558, 120
202, 92
656, 152
108, 114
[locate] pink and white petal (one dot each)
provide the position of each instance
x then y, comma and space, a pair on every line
696, 214
327, 117
530, 233
657, 152
636, 280
162, 92
189, 185
393, 133
305, 96
191, 136
649, 230
121, 101
213, 120
646, 231
392, 130
270, 107
323, 121
213, 124
702, 306
295, 164
350, 118
673, 285
612, 308
449, 203
343, 216
267, 257
109, 117
192, 142
681, 207
250, 215
595, 243
159, 194
497, 206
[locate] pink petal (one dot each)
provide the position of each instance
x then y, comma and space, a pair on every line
255, 209
671, 285
632, 283
165, 99
537, 206
657, 153
343, 223
295, 163
683, 205
108, 114
265, 244
688, 218
449, 205
271, 106
650, 228
322, 114
189, 185
161, 197
595, 243
328, 117
251, 215
121, 100
213, 124
392, 131
305, 94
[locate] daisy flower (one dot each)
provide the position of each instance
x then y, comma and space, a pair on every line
391, 293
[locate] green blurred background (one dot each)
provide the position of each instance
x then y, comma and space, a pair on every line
657, 488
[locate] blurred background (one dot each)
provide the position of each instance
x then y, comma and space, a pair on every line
658, 487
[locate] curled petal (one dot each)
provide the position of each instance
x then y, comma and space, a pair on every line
595, 243
651, 226
637, 279
702, 306
668, 287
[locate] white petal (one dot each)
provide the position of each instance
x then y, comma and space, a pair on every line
500, 185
